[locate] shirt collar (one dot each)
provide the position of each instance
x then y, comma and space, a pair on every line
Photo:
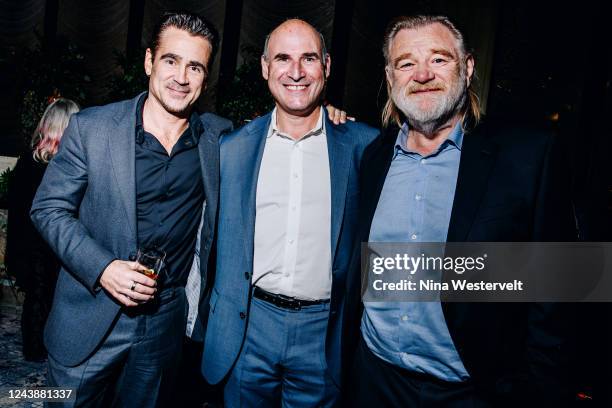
317, 130
195, 124
455, 138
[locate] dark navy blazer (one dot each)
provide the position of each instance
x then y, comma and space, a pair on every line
512, 186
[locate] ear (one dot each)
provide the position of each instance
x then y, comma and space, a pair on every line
264, 68
148, 62
389, 75
327, 66
469, 62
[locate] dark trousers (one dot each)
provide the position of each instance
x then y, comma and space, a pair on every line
137, 363
192, 390
377, 383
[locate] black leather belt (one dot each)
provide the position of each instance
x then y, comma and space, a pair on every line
285, 302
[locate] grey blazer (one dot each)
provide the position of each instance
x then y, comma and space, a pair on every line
85, 208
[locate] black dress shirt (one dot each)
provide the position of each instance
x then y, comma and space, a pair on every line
169, 197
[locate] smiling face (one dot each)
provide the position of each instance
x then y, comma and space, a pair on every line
178, 70
295, 68
427, 76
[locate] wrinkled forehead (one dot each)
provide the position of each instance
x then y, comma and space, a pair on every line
295, 38
428, 39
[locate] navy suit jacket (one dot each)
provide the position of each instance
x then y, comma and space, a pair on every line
241, 153
85, 208
512, 186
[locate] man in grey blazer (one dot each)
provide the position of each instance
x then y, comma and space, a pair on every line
138, 174
287, 222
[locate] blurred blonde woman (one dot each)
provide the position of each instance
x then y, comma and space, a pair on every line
27, 256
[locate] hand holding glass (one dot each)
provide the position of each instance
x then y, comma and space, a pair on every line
152, 260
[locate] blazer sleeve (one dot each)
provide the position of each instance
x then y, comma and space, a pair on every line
549, 345
56, 206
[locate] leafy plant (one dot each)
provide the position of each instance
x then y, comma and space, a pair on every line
5, 179
131, 80
48, 73
247, 96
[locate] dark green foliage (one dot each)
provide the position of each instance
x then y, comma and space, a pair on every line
247, 96
48, 73
131, 80
5, 179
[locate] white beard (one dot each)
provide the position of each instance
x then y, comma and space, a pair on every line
445, 106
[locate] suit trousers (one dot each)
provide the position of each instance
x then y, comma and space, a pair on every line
377, 383
282, 362
137, 362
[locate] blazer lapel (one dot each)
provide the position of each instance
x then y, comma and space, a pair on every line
339, 151
122, 147
209, 161
373, 175
477, 158
251, 153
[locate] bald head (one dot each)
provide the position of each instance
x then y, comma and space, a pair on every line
296, 25
296, 66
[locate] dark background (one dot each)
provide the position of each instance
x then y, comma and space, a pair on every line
535, 61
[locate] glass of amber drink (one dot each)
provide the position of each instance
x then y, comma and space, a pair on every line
152, 259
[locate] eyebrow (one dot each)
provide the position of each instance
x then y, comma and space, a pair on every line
444, 52
282, 55
179, 58
440, 51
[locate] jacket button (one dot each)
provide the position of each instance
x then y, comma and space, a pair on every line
242, 315
247, 276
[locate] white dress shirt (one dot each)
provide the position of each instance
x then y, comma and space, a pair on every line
194, 280
293, 215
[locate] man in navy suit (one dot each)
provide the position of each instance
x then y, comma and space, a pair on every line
287, 224
436, 175
138, 174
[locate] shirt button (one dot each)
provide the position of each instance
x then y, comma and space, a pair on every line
418, 197
286, 274
404, 318
414, 236
423, 161
242, 315
291, 241
295, 175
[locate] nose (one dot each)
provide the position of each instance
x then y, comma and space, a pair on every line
181, 75
423, 74
295, 71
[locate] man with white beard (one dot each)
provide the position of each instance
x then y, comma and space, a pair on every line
439, 175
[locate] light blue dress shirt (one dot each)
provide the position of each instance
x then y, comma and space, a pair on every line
415, 206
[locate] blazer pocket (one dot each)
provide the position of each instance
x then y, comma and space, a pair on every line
214, 297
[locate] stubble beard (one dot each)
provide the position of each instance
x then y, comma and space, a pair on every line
174, 110
429, 121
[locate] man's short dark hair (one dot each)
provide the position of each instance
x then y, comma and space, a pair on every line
192, 23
